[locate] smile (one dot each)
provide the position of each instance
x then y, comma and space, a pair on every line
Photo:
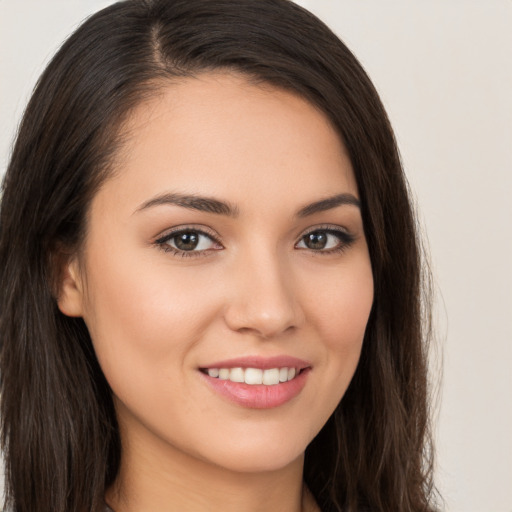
254, 376
257, 382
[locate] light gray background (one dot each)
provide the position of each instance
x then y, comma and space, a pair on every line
444, 71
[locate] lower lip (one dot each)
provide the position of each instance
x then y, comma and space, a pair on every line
258, 396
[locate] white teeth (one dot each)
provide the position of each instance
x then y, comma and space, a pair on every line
271, 377
224, 374
236, 375
253, 376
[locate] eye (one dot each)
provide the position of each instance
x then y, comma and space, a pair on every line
325, 240
187, 240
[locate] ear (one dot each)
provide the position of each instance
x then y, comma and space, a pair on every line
70, 296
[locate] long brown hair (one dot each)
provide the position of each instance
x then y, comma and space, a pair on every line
59, 429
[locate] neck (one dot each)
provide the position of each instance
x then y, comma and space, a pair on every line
159, 477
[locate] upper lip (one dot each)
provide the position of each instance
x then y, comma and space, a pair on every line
263, 363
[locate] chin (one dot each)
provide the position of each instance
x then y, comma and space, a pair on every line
268, 462
259, 454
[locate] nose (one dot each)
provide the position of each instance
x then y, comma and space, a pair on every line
262, 300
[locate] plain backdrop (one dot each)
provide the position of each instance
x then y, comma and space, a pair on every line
444, 71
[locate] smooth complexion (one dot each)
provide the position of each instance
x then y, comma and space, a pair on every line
244, 283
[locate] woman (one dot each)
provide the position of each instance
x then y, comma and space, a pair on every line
211, 293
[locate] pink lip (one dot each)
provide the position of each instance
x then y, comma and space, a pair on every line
264, 363
259, 396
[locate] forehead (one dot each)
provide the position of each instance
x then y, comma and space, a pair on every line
221, 134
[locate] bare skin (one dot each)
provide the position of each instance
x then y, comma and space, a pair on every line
277, 272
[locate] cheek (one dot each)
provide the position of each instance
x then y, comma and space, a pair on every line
342, 307
145, 320
342, 303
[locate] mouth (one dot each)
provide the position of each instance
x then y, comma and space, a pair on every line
254, 376
257, 383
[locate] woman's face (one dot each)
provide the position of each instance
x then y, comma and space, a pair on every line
228, 246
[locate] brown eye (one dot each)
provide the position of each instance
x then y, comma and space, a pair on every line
186, 241
316, 240
326, 240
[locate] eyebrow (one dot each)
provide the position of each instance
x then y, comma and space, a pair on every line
192, 202
212, 205
328, 203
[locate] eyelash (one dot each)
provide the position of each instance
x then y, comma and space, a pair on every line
345, 241
162, 242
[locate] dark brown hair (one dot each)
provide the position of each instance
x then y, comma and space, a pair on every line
59, 429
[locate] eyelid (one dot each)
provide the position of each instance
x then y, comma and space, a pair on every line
346, 238
161, 241
203, 230
333, 228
